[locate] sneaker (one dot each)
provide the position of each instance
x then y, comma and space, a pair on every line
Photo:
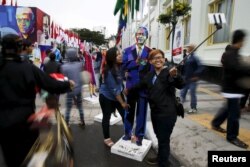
152, 161
192, 111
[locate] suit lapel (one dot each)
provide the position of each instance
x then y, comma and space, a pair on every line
134, 53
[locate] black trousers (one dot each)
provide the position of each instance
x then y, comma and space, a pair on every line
163, 127
16, 142
244, 99
108, 107
231, 112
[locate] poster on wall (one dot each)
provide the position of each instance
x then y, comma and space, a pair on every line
29, 23
177, 46
43, 28
18, 20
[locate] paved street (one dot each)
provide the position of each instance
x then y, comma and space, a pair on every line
191, 139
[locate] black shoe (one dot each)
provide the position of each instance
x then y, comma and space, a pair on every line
139, 141
238, 143
219, 129
126, 137
152, 161
82, 125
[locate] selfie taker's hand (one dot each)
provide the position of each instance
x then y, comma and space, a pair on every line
173, 72
125, 105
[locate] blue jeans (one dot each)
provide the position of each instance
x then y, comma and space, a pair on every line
192, 86
231, 112
69, 99
138, 108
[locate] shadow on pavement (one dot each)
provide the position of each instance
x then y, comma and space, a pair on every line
90, 150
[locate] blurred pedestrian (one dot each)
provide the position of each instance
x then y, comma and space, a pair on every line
52, 66
36, 55
26, 53
57, 52
17, 103
72, 69
232, 72
111, 97
97, 60
191, 72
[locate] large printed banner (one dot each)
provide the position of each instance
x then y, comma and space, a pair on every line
177, 46
34, 25
29, 23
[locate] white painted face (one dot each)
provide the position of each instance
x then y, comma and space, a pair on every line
140, 36
46, 26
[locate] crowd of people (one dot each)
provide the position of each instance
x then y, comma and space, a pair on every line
147, 81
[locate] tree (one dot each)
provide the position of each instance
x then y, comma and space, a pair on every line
90, 36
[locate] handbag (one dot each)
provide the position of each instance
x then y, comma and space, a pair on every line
55, 146
179, 107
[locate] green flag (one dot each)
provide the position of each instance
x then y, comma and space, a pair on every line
137, 5
119, 5
132, 5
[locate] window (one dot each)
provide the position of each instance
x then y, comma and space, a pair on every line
187, 27
188, 1
226, 7
167, 30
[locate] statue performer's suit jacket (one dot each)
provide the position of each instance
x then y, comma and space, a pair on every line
136, 71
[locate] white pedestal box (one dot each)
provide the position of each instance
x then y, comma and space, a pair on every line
113, 119
131, 150
92, 100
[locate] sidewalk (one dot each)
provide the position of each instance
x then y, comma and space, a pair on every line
193, 137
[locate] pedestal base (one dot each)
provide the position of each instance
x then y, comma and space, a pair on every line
113, 119
131, 150
92, 100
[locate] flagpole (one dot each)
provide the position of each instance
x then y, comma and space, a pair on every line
149, 22
158, 29
173, 31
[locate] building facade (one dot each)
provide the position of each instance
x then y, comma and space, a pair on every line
194, 27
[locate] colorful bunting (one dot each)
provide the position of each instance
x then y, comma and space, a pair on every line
3, 2
124, 7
